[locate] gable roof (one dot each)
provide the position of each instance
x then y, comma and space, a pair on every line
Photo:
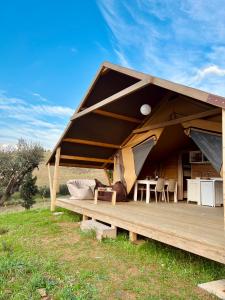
109, 112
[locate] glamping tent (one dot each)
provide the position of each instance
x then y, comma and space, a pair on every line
180, 139
108, 131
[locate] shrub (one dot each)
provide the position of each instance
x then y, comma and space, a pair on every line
63, 189
3, 230
28, 190
44, 191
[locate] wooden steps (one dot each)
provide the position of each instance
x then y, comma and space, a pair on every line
102, 230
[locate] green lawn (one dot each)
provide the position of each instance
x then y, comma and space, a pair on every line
39, 250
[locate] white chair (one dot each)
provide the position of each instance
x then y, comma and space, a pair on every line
172, 188
142, 189
159, 188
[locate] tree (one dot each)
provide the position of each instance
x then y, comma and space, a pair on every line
15, 163
28, 190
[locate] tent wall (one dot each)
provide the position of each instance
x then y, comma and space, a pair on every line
130, 175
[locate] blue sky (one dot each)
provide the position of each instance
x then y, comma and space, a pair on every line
51, 49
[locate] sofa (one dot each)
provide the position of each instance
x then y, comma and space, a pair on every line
81, 189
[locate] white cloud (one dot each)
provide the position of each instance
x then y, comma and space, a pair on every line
122, 59
208, 71
39, 97
40, 123
176, 40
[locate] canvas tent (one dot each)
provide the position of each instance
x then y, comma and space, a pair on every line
108, 131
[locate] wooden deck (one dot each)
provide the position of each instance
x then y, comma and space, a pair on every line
193, 228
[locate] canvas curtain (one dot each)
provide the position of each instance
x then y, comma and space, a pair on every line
140, 153
118, 168
210, 144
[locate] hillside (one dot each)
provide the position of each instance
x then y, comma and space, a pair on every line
67, 173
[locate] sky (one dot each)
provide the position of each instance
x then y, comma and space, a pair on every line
50, 51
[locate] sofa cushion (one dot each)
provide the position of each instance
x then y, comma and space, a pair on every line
121, 192
84, 193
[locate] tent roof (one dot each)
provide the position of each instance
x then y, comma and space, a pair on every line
110, 111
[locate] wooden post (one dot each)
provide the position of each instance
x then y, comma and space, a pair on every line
55, 179
114, 198
58, 185
223, 160
85, 218
132, 236
50, 181
96, 197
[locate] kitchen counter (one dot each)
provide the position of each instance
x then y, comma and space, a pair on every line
207, 192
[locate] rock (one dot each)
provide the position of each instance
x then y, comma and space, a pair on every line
42, 292
58, 213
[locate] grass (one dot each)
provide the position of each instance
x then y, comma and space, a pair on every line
39, 250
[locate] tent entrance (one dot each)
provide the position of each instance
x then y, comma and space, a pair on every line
170, 157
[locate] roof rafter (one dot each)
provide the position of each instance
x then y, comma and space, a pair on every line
125, 92
91, 143
84, 158
117, 116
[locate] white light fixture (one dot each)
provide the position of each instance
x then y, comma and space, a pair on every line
145, 109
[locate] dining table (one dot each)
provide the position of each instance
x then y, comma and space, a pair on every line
147, 183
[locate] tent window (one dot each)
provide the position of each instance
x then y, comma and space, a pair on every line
211, 146
140, 153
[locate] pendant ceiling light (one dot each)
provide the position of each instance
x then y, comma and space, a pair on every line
145, 109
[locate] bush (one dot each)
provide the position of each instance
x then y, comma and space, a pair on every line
63, 189
44, 191
28, 190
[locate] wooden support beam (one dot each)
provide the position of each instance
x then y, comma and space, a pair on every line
204, 124
114, 198
125, 92
85, 218
87, 166
181, 89
50, 181
223, 156
55, 179
126, 71
208, 113
132, 236
117, 116
96, 196
91, 143
84, 158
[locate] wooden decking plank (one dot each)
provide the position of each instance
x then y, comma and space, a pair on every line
174, 224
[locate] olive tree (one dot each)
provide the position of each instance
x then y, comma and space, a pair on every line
15, 163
